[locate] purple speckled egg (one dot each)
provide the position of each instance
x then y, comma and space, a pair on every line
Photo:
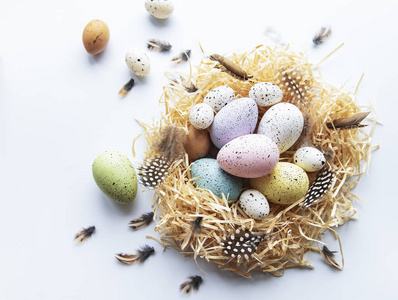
237, 118
283, 123
249, 156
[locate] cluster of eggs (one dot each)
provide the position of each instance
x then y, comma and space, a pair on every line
245, 152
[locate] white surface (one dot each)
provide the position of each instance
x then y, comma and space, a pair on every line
59, 109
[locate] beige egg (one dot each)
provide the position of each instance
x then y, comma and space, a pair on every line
95, 36
197, 143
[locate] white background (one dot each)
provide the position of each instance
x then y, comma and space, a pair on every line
59, 109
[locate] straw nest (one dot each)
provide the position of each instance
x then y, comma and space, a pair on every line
291, 231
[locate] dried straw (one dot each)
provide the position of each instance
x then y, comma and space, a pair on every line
291, 230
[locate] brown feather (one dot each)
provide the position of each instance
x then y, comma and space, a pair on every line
348, 122
231, 66
171, 143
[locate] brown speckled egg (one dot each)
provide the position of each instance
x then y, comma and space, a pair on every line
197, 144
95, 36
286, 184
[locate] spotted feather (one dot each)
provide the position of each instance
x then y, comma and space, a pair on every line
319, 188
242, 244
152, 172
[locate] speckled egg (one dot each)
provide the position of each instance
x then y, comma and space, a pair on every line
215, 179
95, 36
309, 158
138, 62
201, 116
160, 9
220, 96
237, 118
283, 123
266, 93
249, 156
286, 184
254, 204
115, 176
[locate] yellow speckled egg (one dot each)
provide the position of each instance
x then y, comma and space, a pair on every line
286, 184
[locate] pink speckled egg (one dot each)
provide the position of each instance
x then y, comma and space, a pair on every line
249, 156
237, 118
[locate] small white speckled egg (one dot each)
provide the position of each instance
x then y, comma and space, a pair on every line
309, 158
266, 93
220, 96
282, 123
201, 116
254, 204
160, 9
138, 62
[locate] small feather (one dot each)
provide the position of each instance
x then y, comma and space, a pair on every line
319, 187
152, 172
241, 244
197, 225
126, 88
183, 56
142, 221
193, 283
84, 234
329, 257
141, 255
228, 65
171, 143
349, 122
157, 45
323, 34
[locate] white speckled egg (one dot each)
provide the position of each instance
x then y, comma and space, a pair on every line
286, 184
213, 178
309, 158
265, 93
249, 156
237, 118
283, 123
201, 116
160, 9
220, 96
254, 204
138, 62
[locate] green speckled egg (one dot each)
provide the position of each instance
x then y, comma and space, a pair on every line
286, 184
115, 176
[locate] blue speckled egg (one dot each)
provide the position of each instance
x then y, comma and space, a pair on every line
215, 179
266, 93
237, 118
282, 123
219, 97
